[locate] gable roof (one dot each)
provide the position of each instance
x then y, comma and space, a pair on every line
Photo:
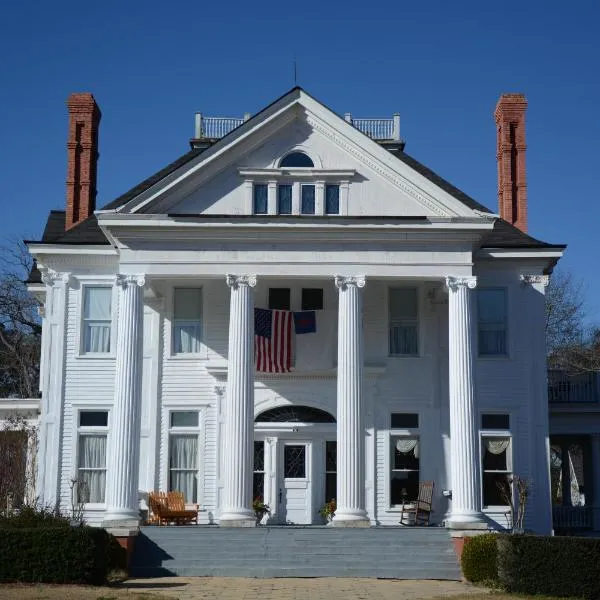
87, 232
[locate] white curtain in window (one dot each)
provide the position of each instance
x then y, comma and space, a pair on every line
496, 446
97, 303
408, 445
186, 337
492, 340
92, 467
403, 339
183, 453
97, 337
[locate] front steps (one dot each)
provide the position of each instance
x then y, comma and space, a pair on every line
292, 551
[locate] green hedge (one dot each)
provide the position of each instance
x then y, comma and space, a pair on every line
479, 559
56, 554
559, 566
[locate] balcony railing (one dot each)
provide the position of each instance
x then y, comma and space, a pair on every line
563, 387
211, 128
570, 520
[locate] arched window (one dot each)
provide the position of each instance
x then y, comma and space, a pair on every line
296, 159
295, 414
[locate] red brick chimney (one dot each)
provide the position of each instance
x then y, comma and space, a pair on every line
512, 180
82, 157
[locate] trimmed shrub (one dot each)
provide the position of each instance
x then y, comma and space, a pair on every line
55, 554
479, 559
30, 517
559, 566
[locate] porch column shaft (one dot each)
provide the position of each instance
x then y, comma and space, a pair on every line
466, 479
239, 406
123, 452
350, 510
595, 479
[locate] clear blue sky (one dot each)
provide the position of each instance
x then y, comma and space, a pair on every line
441, 64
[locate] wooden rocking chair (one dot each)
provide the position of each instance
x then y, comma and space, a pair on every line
422, 506
169, 507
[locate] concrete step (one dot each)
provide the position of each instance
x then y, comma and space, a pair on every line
403, 553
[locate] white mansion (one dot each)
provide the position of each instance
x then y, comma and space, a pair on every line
295, 309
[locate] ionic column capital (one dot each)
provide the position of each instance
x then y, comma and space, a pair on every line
342, 282
50, 277
235, 281
535, 279
127, 280
455, 283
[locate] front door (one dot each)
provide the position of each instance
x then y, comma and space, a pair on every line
294, 493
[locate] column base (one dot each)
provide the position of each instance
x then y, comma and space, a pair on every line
121, 520
351, 519
472, 521
239, 518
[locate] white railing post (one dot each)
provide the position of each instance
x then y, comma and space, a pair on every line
246, 117
348, 117
198, 125
396, 127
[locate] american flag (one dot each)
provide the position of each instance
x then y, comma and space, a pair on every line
272, 340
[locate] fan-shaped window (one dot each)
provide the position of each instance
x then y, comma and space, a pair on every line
296, 159
295, 414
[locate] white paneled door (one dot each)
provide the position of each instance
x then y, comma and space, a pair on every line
294, 493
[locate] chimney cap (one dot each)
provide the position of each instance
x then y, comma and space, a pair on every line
512, 104
82, 102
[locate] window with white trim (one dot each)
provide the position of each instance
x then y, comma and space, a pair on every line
332, 199
496, 460
307, 206
404, 458
491, 321
187, 320
258, 481
184, 430
403, 321
260, 198
92, 435
97, 319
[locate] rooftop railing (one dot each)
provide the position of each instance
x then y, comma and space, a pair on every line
380, 129
579, 388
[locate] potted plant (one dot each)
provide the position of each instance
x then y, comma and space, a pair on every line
260, 509
328, 510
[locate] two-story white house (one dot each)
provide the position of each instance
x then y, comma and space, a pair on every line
299, 310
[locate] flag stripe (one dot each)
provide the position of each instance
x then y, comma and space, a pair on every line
273, 348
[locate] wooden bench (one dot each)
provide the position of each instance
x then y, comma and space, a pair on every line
422, 506
169, 507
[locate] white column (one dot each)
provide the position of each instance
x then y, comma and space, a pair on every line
350, 410
596, 480
239, 406
464, 443
123, 452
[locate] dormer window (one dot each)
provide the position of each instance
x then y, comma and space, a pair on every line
296, 159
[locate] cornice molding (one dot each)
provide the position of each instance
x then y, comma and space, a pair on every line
376, 166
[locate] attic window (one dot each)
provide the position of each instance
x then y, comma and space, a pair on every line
296, 159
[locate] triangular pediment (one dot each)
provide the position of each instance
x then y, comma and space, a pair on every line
217, 181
